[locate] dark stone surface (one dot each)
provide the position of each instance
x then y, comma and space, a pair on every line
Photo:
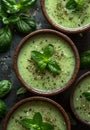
82, 41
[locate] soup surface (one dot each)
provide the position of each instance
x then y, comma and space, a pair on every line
46, 80
81, 104
57, 11
49, 113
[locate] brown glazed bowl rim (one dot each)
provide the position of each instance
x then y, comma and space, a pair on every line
62, 28
71, 44
72, 96
37, 98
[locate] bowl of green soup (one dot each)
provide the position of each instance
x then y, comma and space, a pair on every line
68, 16
80, 99
46, 62
37, 113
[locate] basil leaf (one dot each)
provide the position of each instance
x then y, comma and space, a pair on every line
21, 90
10, 6
12, 19
25, 24
53, 67
71, 5
27, 123
41, 65
74, 5
37, 119
2, 13
5, 38
48, 50
25, 4
37, 56
86, 95
47, 126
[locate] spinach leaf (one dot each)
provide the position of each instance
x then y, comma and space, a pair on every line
5, 38
36, 123
54, 67
25, 24
86, 95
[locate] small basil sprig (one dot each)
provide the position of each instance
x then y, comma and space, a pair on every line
21, 90
36, 123
86, 95
25, 24
74, 5
43, 60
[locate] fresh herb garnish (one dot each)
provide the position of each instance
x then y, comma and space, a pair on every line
36, 123
74, 5
86, 95
12, 16
21, 90
43, 59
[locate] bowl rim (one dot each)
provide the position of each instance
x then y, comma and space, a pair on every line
62, 28
64, 37
80, 79
37, 98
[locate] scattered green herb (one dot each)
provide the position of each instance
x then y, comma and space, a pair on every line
36, 123
11, 16
21, 90
5, 88
86, 95
3, 109
43, 59
85, 59
74, 5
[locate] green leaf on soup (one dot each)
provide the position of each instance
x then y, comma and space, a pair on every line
54, 67
86, 95
48, 50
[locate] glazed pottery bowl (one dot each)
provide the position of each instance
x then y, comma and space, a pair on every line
65, 20
50, 111
44, 81
80, 99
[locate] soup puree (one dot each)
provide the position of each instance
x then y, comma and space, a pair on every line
49, 113
66, 18
46, 80
81, 105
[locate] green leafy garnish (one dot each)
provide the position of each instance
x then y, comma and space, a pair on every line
86, 95
21, 90
74, 5
43, 59
36, 123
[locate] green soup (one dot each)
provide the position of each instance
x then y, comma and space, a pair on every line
45, 80
49, 113
81, 105
61, 16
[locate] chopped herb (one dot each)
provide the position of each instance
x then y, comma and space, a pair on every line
36, 123
21, 90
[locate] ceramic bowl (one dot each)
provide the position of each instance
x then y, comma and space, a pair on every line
50, 111
79, 104
46, 82
65, 20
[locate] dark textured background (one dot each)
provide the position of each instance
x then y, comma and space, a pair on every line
82, 41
